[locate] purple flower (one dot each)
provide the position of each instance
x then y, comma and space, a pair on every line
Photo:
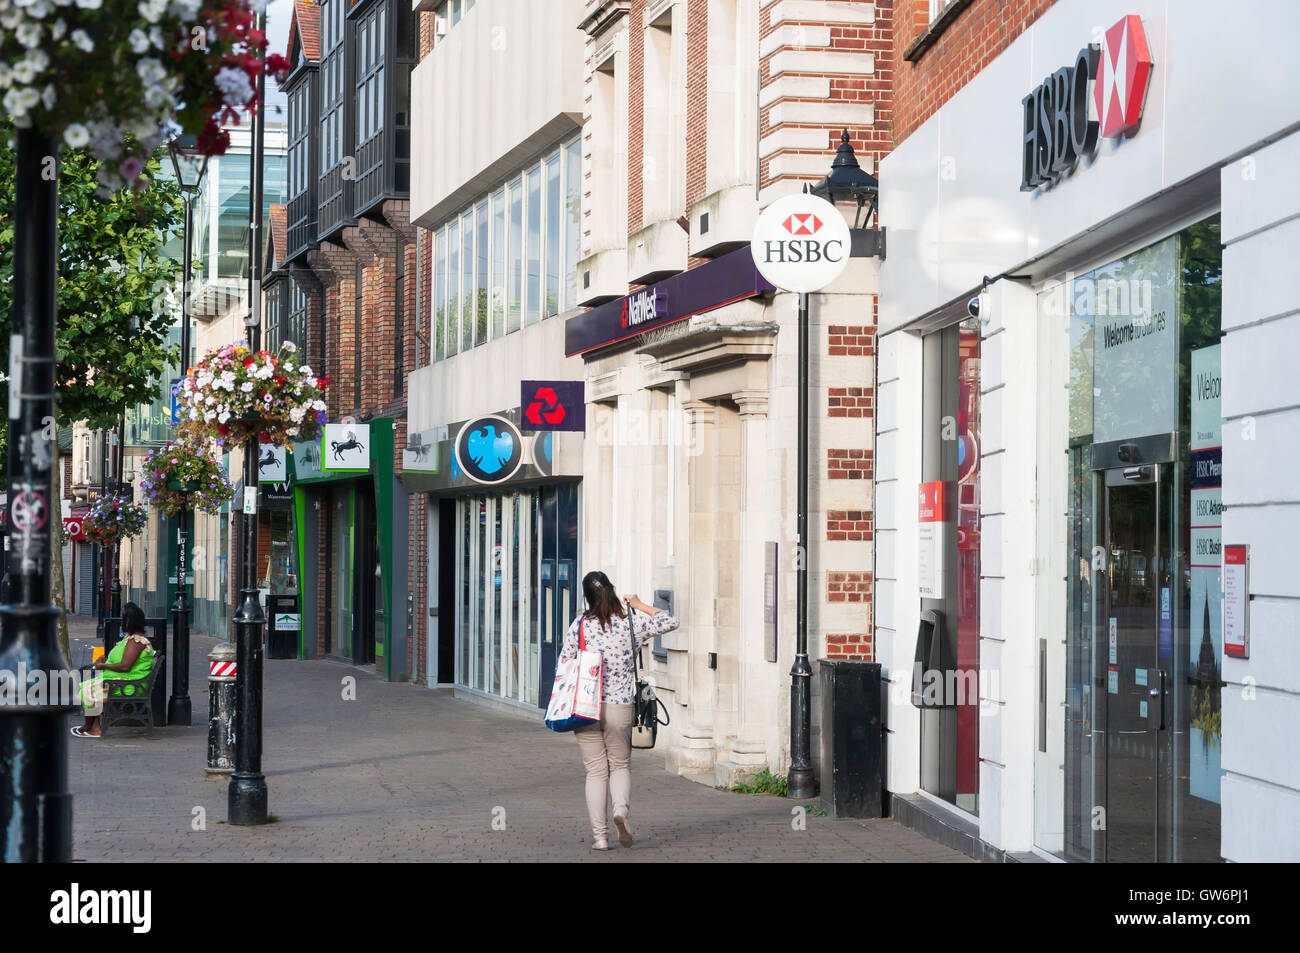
131, 168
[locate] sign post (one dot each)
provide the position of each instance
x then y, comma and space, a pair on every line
801, 243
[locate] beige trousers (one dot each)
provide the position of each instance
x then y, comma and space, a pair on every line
606, 748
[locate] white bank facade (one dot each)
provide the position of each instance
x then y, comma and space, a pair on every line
1123, 410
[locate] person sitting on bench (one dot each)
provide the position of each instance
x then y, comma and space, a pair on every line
132, 658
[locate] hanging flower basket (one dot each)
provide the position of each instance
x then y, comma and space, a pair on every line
115, 518
185, 473
234, 393
118, 76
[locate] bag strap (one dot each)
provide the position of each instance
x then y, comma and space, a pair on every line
631, 628
582, 625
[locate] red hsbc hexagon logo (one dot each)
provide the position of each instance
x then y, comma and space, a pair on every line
1122, 77
805, 224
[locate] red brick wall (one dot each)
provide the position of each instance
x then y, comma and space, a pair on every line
869, 142
857, 646
974, 39
635, 115
697, 100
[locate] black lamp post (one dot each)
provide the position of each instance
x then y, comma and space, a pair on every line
35, 804
190, 166
246, 796
846, 182
125, 491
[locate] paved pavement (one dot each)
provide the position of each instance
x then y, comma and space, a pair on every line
407, 774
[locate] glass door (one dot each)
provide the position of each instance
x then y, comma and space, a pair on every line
1132, 673
341, 634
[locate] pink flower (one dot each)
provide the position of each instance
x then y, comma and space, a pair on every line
131, 168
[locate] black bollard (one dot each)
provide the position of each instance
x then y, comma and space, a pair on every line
179, 707
247, 795
35, 804
221, 709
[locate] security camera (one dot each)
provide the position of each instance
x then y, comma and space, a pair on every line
973, 306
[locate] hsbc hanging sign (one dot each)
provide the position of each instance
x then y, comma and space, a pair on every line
1101, 95
801, 243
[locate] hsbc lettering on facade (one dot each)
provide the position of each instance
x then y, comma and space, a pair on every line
801, 243
1059, 126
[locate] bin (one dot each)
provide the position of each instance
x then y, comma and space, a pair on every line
852, 740
283, 622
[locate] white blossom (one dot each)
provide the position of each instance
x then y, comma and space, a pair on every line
152, 10
83, 41
76, 135
150, 70
139, 41
29, 34
235, 88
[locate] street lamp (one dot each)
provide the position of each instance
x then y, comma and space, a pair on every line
246, 795
846, 182
190, 165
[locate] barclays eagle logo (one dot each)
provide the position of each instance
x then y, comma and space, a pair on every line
489, 449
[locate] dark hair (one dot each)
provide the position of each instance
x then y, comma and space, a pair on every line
132, 619
602, 601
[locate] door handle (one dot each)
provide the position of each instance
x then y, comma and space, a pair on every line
1157, 695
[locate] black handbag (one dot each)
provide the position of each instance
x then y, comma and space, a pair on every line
650, 712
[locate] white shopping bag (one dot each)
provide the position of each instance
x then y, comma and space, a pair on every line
575, 694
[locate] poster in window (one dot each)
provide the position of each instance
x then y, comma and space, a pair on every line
1205, 543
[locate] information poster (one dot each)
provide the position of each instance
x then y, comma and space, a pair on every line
1205, 539
931, 552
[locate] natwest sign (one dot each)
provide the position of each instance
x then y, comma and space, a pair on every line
801, 243
644, 306
1060, 127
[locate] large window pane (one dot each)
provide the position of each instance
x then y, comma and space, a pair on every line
497, 301
553, 219
481, 285
516, 290
453, 287
440, 295
467, 295
572, 220
533, 248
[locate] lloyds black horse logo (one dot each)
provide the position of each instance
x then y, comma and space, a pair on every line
267, 459
341, 446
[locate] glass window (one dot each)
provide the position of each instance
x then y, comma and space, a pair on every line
553, 219
439, 294
515, 292
468, 298
572, 220
481, 286
453, 288
533, 248
950, 730
497, 296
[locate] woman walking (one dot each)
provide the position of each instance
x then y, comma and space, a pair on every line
606, 745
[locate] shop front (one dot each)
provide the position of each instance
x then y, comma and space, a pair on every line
502, 509
1071, 370
350, 513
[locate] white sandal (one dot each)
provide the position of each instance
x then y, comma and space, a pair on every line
79, 731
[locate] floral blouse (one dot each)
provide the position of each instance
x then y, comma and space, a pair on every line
615, 644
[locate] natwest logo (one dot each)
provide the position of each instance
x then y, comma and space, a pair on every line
1059, 128
644, 306
801, 243
552, 405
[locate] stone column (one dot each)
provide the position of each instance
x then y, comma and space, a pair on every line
694, 755
747, 754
